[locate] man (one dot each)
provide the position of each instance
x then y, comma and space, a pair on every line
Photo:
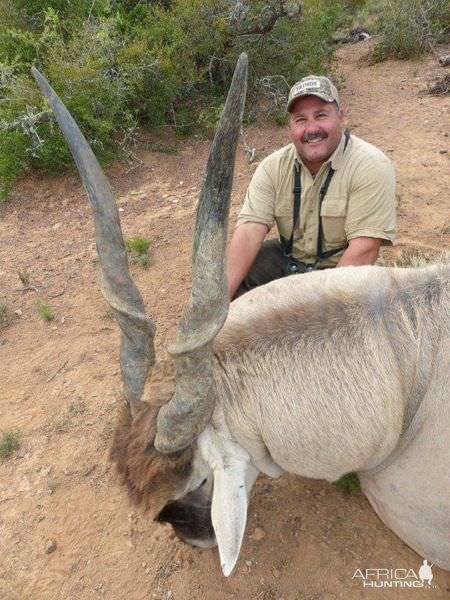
343, 208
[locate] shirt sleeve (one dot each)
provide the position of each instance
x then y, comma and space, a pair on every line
371, 206
259, 200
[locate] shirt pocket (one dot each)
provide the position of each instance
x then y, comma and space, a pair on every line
333, 213
284, 211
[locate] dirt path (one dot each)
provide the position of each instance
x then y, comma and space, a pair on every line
60, 384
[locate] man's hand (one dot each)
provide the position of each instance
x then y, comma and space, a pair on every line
242, 251
360, 251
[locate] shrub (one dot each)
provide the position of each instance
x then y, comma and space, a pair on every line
45, 312
138, 247
5, 315
9, 443
410, 28
118, 64
348, 484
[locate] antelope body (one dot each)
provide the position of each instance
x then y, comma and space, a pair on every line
319, 375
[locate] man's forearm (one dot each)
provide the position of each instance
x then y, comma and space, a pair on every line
361, 251
242, 251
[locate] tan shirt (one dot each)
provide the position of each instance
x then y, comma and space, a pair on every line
360, 200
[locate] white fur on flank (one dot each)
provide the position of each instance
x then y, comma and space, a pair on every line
347, 370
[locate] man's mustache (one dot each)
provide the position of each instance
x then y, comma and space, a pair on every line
313, 137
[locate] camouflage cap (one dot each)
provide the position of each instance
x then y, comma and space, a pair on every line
313, 85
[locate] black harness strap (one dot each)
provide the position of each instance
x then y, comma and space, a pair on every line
286, 245
322, 194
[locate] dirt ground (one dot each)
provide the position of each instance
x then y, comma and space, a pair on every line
60, 382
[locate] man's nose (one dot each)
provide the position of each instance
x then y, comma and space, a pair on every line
311, 128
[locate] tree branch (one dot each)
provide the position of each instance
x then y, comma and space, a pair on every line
275, 10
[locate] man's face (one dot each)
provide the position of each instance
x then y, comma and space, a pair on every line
316, 130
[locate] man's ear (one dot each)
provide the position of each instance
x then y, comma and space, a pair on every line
234, 476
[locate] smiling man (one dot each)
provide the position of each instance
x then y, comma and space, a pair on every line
331, 195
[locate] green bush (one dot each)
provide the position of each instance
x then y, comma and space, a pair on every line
138, 248
139, 245
5, 315
9, 443
118, 64
348, 484
13, 157
409, 28
45, 311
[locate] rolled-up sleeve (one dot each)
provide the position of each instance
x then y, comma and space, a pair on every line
372, 204
259, 200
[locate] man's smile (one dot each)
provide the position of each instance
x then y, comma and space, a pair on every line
314, 140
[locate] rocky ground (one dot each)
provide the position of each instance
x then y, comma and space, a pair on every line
66, 528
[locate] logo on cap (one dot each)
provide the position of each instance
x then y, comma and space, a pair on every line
314, 85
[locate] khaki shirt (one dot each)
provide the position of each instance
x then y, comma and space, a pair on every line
360, 200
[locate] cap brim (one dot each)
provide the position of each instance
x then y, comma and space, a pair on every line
309, 93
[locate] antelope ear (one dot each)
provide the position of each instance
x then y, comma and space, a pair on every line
234, 476
229, 512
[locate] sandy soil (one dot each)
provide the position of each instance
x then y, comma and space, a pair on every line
60, 383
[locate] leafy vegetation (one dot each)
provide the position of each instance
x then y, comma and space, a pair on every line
348, 484
408, 28
121, 64
138, 247
5, 315
9, 443
45, 312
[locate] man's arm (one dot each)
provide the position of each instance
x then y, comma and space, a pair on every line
361, 251
242, 251
370, 220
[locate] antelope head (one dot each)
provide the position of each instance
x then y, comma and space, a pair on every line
160, 446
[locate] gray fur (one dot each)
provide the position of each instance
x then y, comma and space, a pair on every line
348, 370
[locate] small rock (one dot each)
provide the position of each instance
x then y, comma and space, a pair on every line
18, 312
57, 226
248, 563
24, 485
266, 487
259, 534
443, 151
121, 209
50, 547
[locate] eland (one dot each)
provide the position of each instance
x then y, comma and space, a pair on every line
319, 375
